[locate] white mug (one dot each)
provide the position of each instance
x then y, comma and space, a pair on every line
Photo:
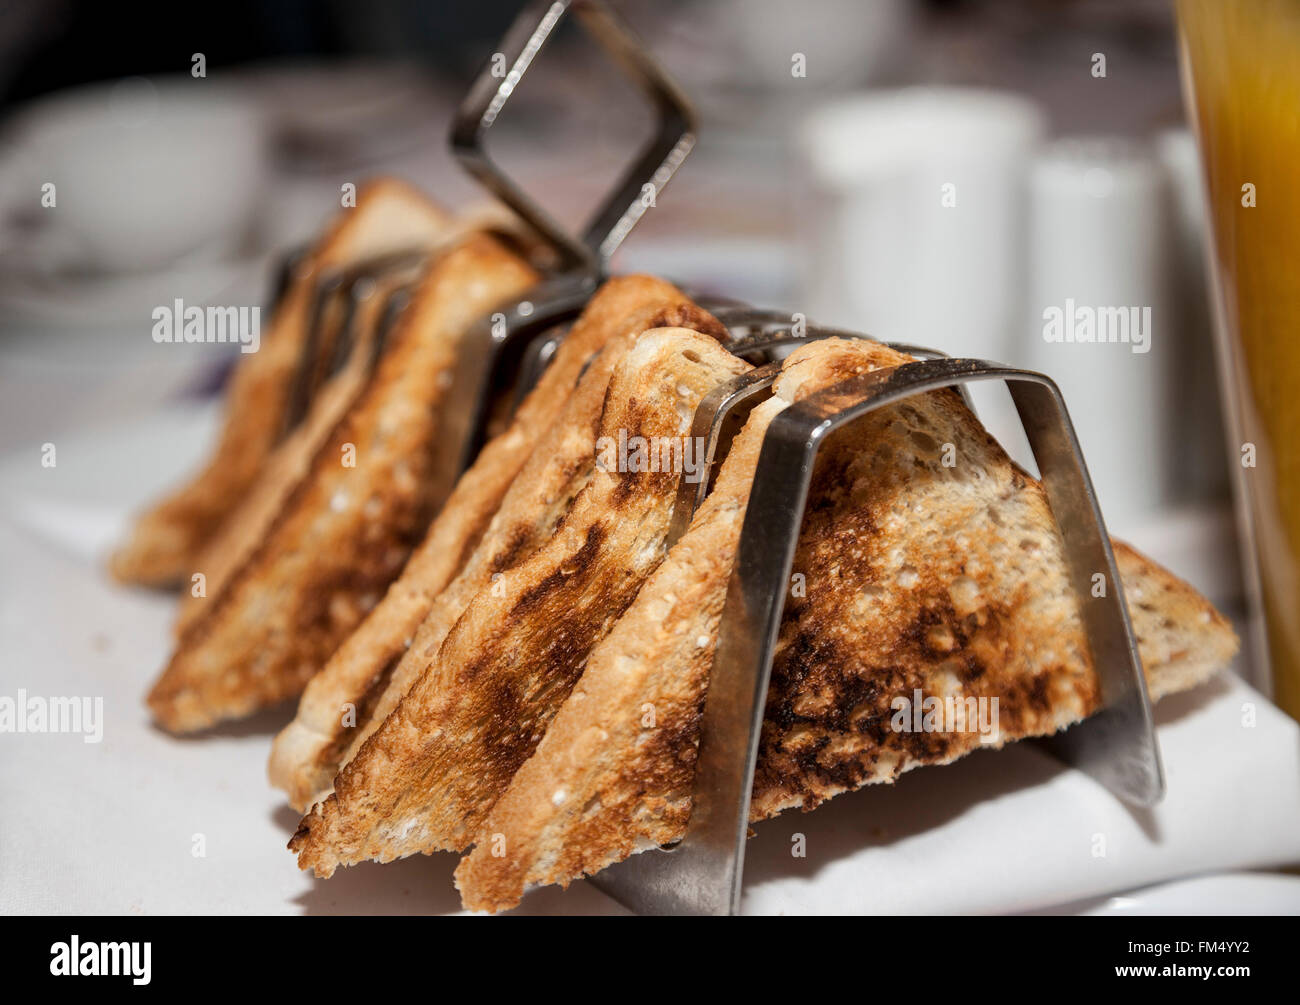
1099, 315
917, 220
140, 174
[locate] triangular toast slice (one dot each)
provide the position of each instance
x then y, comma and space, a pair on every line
561, 466
425, 779
241, 532
166, 540
551, 440
346, 531
915, 576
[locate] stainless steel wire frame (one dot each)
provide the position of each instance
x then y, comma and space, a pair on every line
324, 353
1117, 745
496, 351
656, 163
703, 874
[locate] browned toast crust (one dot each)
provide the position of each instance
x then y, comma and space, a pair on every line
346, 531
241, 532
426, 777
167, 539
549, 441
916, 576
540, 497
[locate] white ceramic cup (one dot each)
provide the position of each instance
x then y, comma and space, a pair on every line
145, 173
917, 224
917, 217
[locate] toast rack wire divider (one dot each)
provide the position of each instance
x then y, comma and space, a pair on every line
513, 345
703, 873
755, 336
327, 348
1117, 746
657, 162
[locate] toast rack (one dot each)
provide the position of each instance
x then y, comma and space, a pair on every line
703, 873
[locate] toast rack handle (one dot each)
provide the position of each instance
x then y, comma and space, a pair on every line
650, 172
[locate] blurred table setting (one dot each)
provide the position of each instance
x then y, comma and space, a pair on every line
947, 174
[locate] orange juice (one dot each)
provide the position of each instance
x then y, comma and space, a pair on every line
1241, 61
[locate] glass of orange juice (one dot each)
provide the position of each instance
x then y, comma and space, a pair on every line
1241, 75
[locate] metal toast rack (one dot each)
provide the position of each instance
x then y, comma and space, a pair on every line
702, 874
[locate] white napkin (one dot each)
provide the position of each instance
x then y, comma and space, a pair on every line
1013, 829
117, 826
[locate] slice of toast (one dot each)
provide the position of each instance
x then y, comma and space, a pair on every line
947, 580
167, 539
346, 531
560, 467
551, 439
241, 532
425, 779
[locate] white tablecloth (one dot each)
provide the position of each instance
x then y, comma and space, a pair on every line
112, 826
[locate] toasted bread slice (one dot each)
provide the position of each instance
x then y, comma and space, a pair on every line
552, 441
425, 779
346, 531
289, 462
167, 539
561, 466
947, 580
